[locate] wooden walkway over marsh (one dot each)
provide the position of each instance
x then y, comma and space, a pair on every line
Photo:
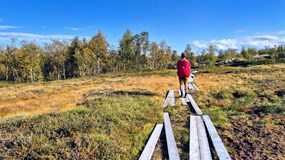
204, 139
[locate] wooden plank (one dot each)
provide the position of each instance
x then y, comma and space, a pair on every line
190, 86
170, 140
151, 143
196, 87
194, 153
187, 100
172, 97
216, 140
179, 92
166, 100
205, 152
183, 101
194, 105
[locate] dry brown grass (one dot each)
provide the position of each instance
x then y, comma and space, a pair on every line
215, 81
31, 99
216, 98
209, 82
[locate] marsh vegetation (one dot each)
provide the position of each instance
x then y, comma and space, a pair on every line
111, 116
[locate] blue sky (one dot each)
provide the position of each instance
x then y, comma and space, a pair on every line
225, 23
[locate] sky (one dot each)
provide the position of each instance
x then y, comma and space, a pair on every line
224, 23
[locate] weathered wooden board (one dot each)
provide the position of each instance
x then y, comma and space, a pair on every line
194, 105
183, 101
166, 99
151, 143
194, 153
172, 97
216, 140
170, 140
179, 92
195, 86
190, 86
187, 100
205, 152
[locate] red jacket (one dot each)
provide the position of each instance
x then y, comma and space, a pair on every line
183, 68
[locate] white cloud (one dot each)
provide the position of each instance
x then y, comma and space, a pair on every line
8, 27
200, 44
247, 42
75, 28
281, 32
6, 36
225, 43
240, 31
80, 28
34, 36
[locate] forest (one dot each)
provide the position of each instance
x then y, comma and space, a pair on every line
31, 62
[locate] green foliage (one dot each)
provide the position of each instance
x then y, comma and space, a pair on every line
271, 108
28, 63
126, 53
229, 53
72, 58
60, 60
207, 58
174, 59
21, 65
190, 55
154, 53
211, 57
54, 60
141, 46
104, 128
165, 55
98, 46
245, 54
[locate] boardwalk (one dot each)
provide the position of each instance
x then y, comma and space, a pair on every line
202, 134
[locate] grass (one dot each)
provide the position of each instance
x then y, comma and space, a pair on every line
47, 97
111, 116
105, 117
246, 105
112, 127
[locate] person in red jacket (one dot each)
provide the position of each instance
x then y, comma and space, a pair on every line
183, 72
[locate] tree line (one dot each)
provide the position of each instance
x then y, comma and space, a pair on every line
81, 57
